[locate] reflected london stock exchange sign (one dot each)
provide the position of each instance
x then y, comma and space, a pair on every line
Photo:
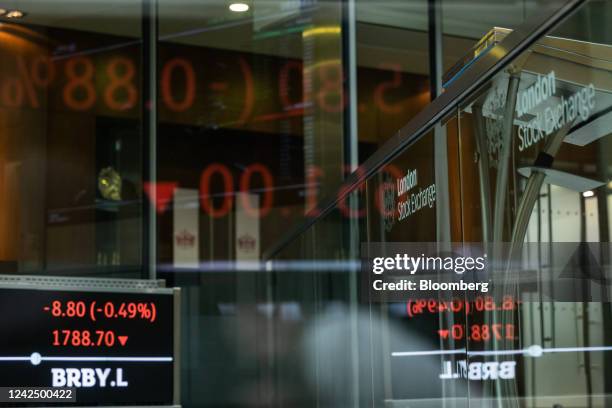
405, 195
112, 348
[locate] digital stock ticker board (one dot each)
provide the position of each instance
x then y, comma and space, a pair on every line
113, 348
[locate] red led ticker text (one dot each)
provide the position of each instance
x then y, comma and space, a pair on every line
479, 332
475, 332
118, 90
415, 307
87, 338
146, 311
220, 203
81, 91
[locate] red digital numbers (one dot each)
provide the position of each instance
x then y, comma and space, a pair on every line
81, 88
84, 338
129, 310
330, 94
79, 92
179, 85
121, 72
169, 69
72, 309
268, 195
381, 89
221, 173
106, 310
91, 312
476, 332
415, 307
228, 186
221, 189
479, 332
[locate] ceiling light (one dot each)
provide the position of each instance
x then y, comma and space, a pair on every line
15, 14
588, 194
239, 7
2, 11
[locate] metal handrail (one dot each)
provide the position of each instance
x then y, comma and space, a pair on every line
473, 77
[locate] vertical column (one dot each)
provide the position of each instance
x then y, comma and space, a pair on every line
149, 135
324, 99
324, 150
434, 13
351, 161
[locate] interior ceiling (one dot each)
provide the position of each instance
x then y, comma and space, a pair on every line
393, 30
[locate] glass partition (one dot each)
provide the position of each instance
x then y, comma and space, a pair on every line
252, 108
71, 181
393, 55
528, 168
536, 170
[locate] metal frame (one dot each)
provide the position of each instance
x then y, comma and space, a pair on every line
351, 161
475, 76
176, 388
349, 67
42, 282
440, 154
149, 98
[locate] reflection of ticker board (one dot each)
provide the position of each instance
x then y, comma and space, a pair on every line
450, 342
85, 72
113, 348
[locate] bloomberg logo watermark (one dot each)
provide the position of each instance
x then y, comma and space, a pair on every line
398, 271
394, 271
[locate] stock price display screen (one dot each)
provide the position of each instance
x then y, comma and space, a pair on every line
113, 348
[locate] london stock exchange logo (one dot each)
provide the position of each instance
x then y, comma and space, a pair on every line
387, 199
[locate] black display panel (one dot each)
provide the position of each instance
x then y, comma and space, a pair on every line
113, 348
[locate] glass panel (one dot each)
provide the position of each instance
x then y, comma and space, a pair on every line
71, 183
250, 102
251, 137
317, 331
392, 68
501, 351
405, 200
535, 170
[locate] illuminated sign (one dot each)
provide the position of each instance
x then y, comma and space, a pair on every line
113, 348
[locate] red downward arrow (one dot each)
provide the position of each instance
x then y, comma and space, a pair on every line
160, 193
443, 333
122, 339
